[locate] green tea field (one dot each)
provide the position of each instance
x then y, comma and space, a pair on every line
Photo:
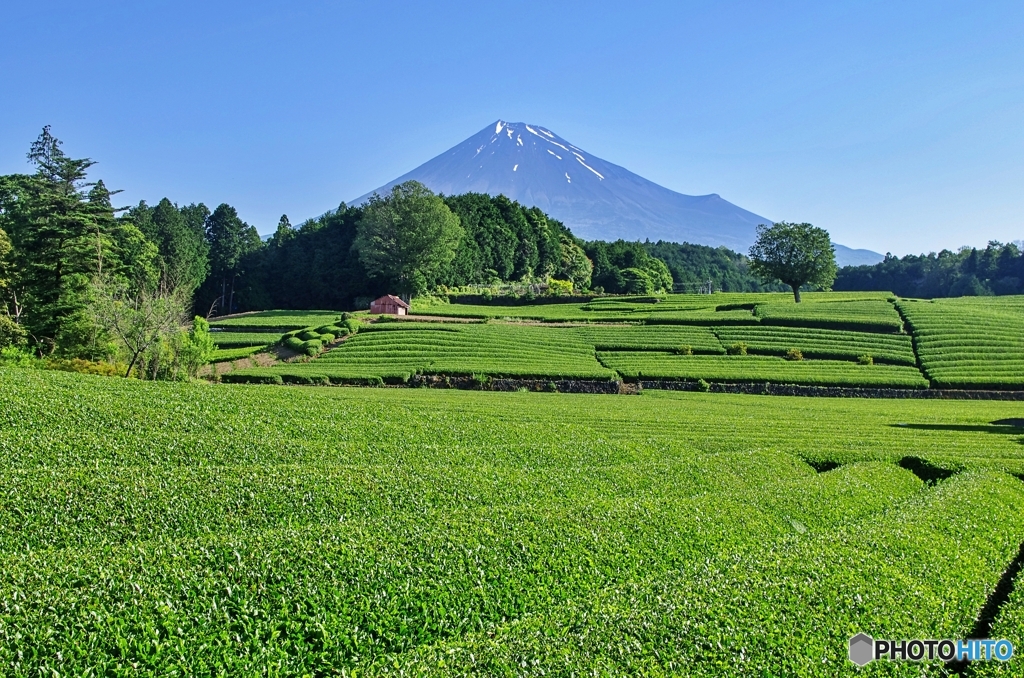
852, 340
160, 528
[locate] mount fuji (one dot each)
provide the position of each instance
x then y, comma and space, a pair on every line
596, 199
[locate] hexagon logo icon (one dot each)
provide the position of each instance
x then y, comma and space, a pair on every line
862, 649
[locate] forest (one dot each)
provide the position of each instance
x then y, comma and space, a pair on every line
997, 269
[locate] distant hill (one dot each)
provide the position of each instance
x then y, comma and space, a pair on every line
596, 199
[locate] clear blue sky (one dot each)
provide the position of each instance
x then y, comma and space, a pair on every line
897, 126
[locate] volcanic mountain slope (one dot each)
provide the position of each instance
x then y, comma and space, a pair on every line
596, 199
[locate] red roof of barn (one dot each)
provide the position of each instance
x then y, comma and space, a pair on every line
391, 298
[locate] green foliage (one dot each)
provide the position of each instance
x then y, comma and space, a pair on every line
869, 315
194, 348
407, 237
559, 287
233, 243
997, 269
865, 360
627, 268
794, 354
894, 349
795, 254
11, 333
311, 347
972, 342
739, 348
238, 339
386, 531
636, 281
692, 266
180, 237
6, 272
574, 265
60, 227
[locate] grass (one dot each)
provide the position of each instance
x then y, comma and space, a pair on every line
161, 528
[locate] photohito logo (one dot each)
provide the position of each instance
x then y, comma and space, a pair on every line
865, 649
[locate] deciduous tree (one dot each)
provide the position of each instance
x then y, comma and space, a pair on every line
407, 236
795, 254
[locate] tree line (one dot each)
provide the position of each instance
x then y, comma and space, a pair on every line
996, 269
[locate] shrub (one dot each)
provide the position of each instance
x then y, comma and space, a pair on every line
794, 354
738, 348
558, 288
309, 335
327, 337
306, 379
312, 347
242, 378
703, 386
14, 356
352, 325
865, 360
11, 333
481, 380
294, 343
684, 350
86, 367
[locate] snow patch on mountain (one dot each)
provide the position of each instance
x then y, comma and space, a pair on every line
607, 202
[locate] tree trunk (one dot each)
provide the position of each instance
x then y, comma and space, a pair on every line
128, 372
796, 293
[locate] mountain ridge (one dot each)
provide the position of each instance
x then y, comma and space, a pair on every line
596, 199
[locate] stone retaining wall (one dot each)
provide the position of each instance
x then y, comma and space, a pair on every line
835, 391
552, 385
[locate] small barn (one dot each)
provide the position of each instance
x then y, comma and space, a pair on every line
389, 304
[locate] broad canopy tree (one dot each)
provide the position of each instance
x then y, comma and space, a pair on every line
407, 236
795, 254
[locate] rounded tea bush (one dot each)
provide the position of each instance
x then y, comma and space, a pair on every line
794, 354
738, 348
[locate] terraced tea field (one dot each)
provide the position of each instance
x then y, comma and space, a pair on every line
857, 340
751, 368
976, 343
185, 529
